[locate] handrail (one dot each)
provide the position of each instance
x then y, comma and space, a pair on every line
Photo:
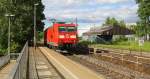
4, 60
20, 68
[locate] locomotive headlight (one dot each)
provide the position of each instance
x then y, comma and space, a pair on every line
61, 36
73, 36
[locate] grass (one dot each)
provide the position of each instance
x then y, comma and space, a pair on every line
132, 45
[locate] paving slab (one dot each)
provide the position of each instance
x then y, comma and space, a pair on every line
41, 63
44, 73
4, 72
41, 67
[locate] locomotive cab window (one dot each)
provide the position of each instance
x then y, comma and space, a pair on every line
62, 29
71, 29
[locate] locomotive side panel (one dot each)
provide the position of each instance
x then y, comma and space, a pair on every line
55, 35
50, 36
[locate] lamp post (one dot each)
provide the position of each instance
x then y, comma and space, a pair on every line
9, 17
35, 24
148, 35
147, 27
149, 18
94, 18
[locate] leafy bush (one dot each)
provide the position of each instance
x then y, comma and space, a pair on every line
120, 39
15, 47
2, 51
40, 36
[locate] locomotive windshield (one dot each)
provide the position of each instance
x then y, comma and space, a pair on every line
62, 29
67, 29
71, 29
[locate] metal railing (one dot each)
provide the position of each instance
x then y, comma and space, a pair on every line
14, 56
116, 68
20, 69
126, 51
4, 60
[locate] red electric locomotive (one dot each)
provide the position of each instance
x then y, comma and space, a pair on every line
61, 35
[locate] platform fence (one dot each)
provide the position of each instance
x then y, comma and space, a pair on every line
20, 69
4, 60
116, 68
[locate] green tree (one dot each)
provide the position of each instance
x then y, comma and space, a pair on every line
140, 29
21, 24
113, 22
144, 14
122, 23
108, 21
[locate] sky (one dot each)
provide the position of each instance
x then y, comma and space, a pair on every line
90, 12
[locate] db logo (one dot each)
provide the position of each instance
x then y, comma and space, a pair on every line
67, 35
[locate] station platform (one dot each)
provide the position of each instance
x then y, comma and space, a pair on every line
68, 68
4, 72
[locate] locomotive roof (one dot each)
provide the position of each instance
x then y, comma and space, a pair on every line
61, 24
67, 24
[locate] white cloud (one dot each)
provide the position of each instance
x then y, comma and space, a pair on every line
111, 1
68, 2
91, 10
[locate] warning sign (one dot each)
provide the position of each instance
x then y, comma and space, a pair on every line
141, 42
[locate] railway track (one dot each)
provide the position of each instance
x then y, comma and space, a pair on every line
116, 65
133, 62
40, 67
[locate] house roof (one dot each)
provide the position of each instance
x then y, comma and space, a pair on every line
110, 30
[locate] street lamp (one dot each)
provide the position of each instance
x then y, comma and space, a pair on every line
9, 17
149, 19
149, 24
94, 26
35, 5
